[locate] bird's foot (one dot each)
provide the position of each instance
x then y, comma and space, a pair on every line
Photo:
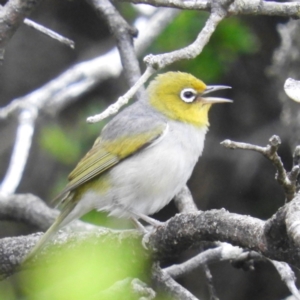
139, 225
149, 220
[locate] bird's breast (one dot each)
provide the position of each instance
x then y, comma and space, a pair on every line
148, 180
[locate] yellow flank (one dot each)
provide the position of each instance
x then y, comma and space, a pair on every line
164, 95
127, 145
99, 184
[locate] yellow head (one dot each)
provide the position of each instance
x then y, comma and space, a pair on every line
179, 96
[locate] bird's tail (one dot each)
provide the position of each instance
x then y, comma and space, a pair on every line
60, 220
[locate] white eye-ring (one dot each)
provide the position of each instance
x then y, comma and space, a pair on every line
188, 95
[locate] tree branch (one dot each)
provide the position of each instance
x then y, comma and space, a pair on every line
277, 238
12, 16
32, 210
124, 35
50, 33
238, 7
20, 151
167, 284
155, 62
287, 181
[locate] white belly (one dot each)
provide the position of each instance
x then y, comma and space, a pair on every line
148, 181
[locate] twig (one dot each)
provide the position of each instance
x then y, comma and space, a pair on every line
184, 201
12, 16
124, 35
67, 87
114, 108
20, 151
270, 152
79, 79
155, 62
238, 7
191, 51
209, 282
167, 284
287, 276
54, 35
223, 252
196, 5
47, 32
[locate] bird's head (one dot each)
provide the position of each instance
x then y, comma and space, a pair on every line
182, 97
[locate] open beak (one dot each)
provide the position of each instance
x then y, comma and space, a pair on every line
212, 100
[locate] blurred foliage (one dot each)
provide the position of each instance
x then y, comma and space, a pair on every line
84, 271
67, 143
230, 40
63, 145
7, 290
128, 12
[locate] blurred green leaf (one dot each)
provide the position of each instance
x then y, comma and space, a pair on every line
67, 144
85, 270
59, 144
231, 39
7, 290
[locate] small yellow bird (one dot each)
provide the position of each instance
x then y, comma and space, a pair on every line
144, 155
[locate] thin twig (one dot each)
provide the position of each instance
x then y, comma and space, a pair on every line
209, 282
114, 108
223, 252
77, 80
270, 152
54, 35
12, 15
287, 276
81, 78
124, 34
155, 62
191, 51
20, 151
167, 284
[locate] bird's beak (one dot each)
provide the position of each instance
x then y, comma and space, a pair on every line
212, 100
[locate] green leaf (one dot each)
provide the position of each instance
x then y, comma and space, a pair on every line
59, 144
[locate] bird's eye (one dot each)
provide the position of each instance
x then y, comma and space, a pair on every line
188, 95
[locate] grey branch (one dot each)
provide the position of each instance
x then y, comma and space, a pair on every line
14, 249
287, 276
287, 181
32, 210
191, 51
184, 201
155, 62
238, 7
48, 32
20, 151
209, 282
167, 284
81, 78
178, 234
124, 35
12, 16
223, 252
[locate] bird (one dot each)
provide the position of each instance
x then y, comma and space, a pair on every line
144, 156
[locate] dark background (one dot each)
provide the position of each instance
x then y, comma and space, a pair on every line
240, 54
